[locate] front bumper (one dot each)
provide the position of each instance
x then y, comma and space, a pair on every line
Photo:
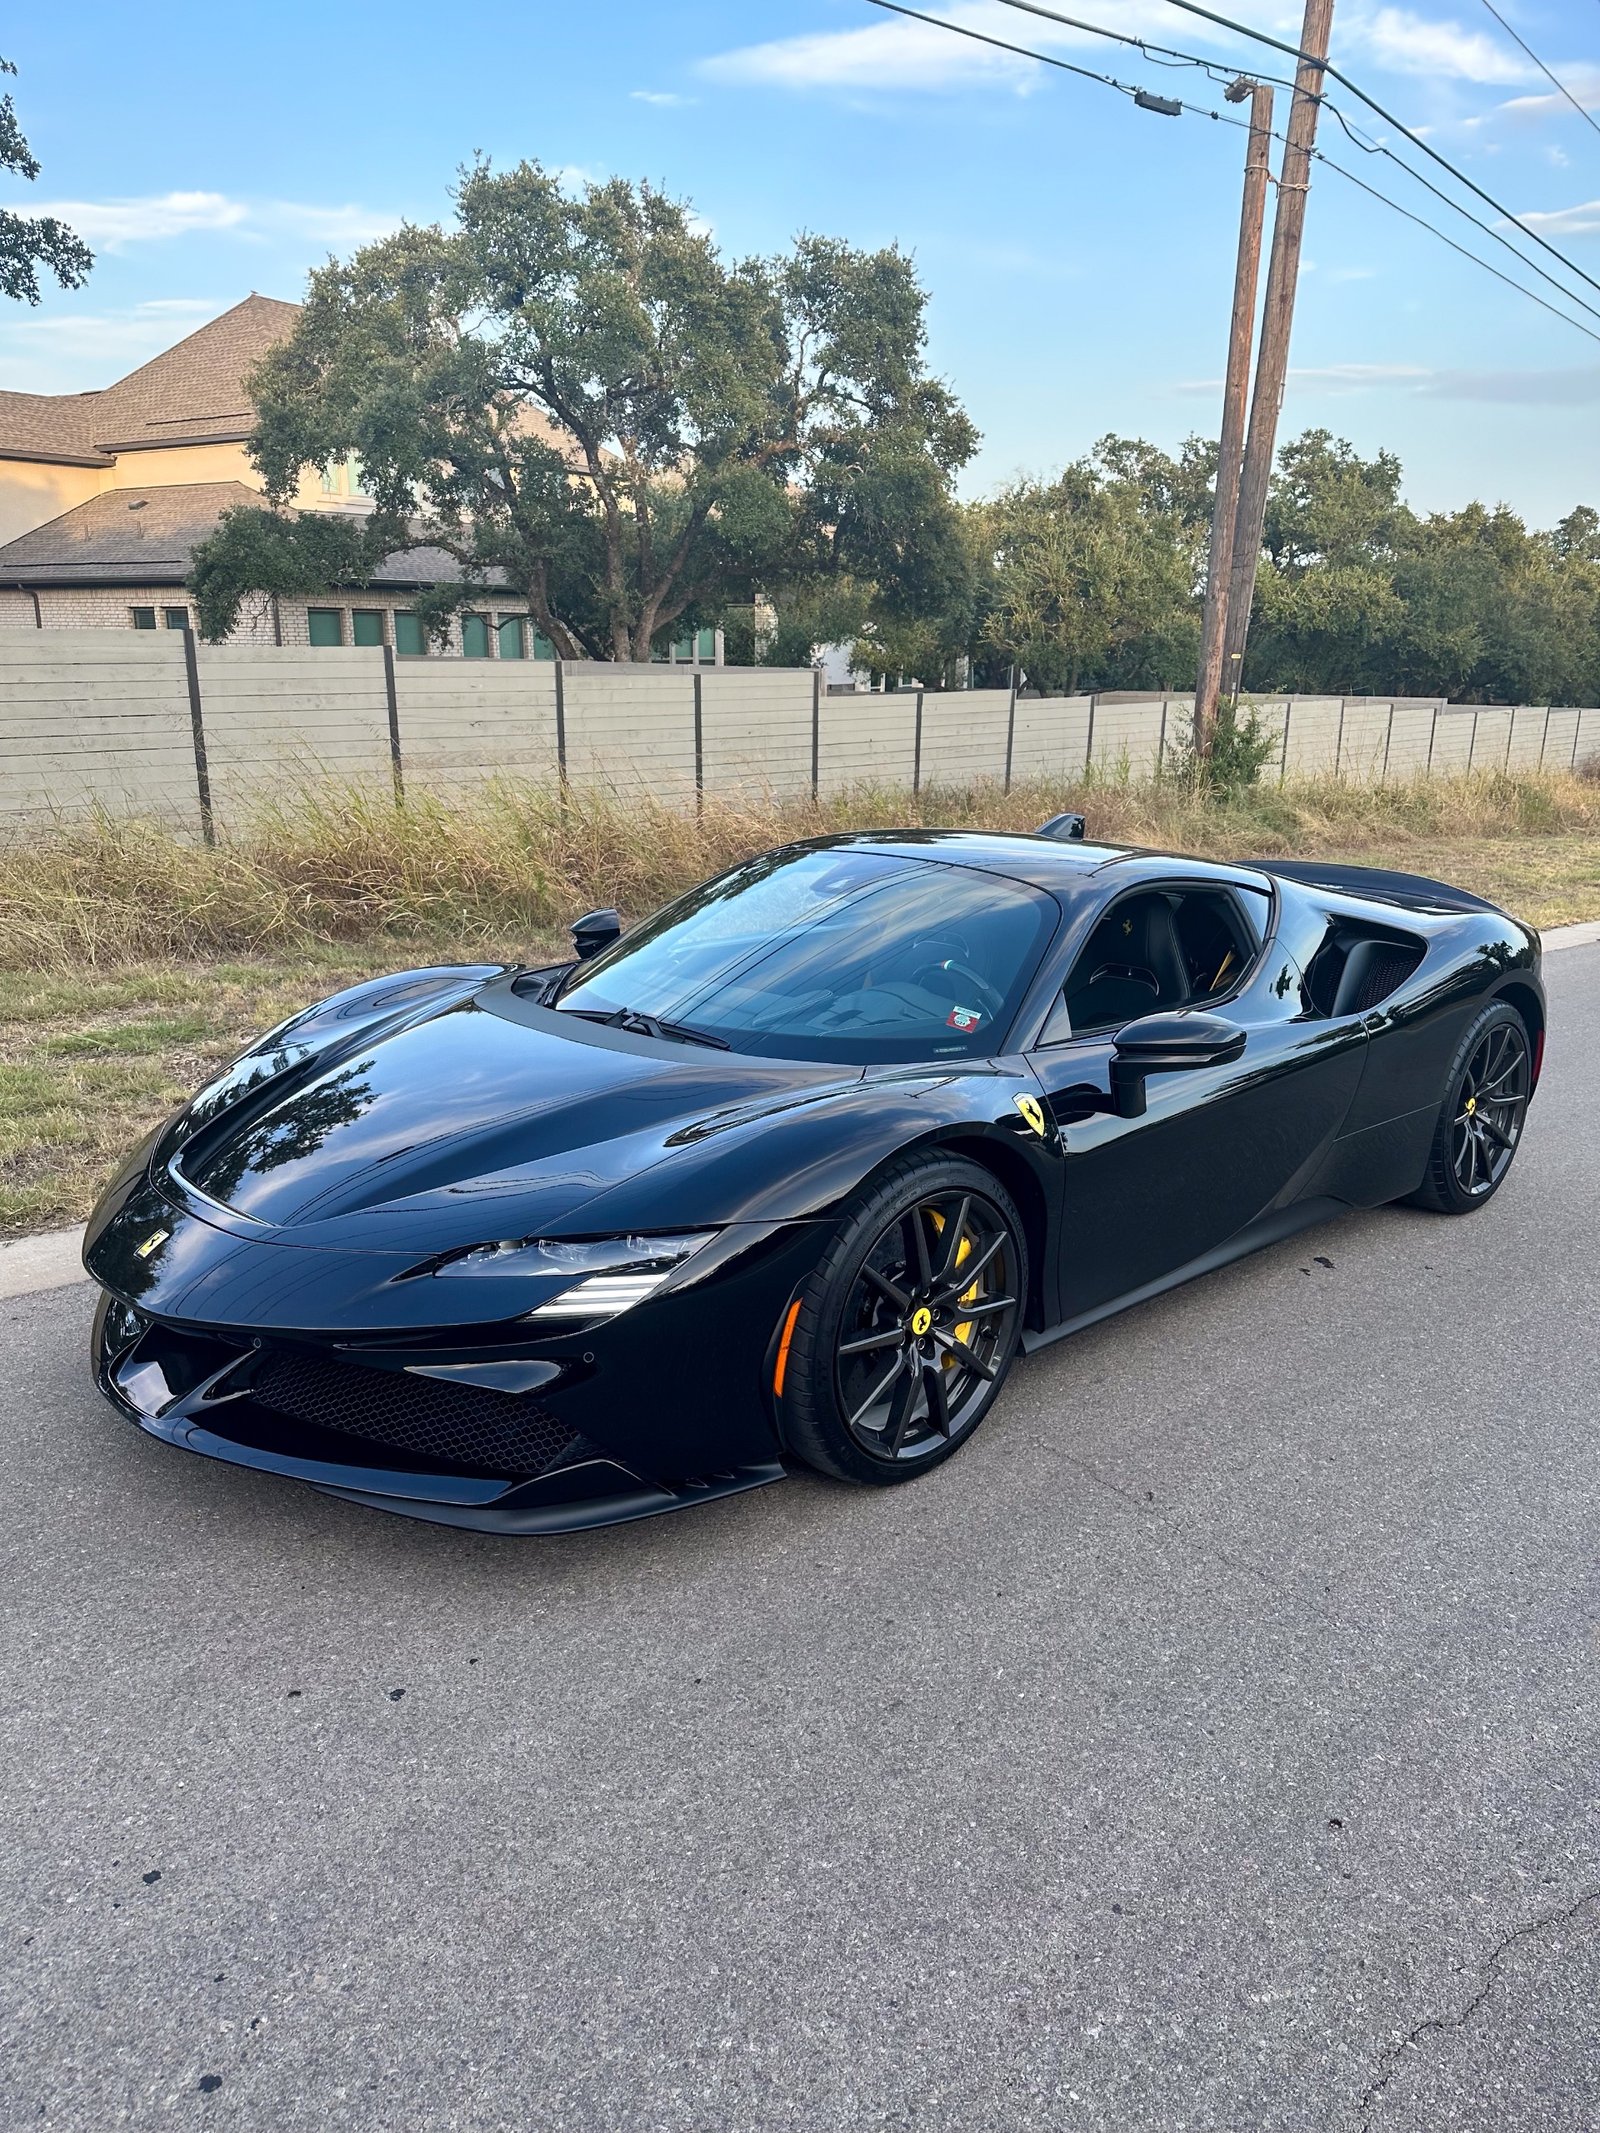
376, 1433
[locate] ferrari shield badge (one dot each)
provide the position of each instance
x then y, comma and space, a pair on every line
156, 1236
1033, 1111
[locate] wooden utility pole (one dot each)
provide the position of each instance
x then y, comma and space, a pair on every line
1272, 364
1235, 401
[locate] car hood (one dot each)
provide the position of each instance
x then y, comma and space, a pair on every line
427, 1134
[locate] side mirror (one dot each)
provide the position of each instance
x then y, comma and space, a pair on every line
1167, 1044
1067, 829
597, 931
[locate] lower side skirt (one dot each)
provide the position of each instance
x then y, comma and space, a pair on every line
1267, 1229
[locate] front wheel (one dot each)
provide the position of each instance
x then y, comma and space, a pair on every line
905, 1333
1481, 1118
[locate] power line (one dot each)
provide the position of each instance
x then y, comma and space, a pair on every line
1356, 137
1587, 116
1423, 223
1192, 7
1108, 81
1129, 90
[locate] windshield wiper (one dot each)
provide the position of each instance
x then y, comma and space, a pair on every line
642, 1025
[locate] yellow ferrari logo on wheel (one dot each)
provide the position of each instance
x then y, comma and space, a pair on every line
921, 1320
1033, 1111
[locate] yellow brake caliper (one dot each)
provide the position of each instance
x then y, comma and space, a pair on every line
962, 1332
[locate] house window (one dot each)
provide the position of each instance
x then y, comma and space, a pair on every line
330, 478
143, 618
325, 625
410, 638
176, 618
706, 648
366, 626
475, 637
542, 647
513, 643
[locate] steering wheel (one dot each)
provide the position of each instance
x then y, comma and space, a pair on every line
941, 973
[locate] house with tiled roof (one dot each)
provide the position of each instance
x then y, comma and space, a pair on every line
104, 497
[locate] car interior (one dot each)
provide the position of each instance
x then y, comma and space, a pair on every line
1156, 950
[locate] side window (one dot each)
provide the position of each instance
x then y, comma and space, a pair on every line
1155, 950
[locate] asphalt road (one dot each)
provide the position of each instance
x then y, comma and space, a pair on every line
1212, 1745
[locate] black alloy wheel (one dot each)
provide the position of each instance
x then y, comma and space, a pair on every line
909, 1325
1481, 1121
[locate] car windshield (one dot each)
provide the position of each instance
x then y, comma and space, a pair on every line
855, 956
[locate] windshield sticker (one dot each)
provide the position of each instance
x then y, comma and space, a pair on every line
964, 1018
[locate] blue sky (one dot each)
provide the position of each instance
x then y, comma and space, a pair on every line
1077, 252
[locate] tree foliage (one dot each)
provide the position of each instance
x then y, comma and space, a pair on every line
577, 398
1095, 581
29, 242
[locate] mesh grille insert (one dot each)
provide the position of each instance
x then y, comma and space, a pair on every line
465, 1425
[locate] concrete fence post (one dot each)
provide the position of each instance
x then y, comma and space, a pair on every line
392, 694
816, 734
1011, 725
1088, 741
197, 726
916, 750
561, 724
699, 745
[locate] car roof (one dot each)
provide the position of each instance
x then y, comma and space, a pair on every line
1045, 862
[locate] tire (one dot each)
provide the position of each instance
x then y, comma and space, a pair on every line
873, 1298
1481, 1116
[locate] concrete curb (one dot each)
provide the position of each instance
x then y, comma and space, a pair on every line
52, 1261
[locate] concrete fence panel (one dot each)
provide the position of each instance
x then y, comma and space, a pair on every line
463, 720
867, 740
1410, 742
1127, 740
1364, 741
1525, 748
1491, 737
1454, 738
273, 716
1051, 737
630, 727
1560, 739
755, 730
88, 718
1586, 748
1311, 746
964, 735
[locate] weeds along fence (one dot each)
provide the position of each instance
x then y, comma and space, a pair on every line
196, 735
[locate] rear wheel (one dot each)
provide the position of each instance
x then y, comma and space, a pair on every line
908, 1327
1481, 1118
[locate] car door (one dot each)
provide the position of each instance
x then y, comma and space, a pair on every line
1217, 1145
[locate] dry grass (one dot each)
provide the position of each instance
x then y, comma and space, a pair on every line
132, 962
514, 862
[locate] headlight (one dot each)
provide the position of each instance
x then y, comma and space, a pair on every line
604, 1275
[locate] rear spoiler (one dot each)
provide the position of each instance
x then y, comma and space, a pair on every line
1382, 884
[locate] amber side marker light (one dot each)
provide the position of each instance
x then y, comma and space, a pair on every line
783, 1349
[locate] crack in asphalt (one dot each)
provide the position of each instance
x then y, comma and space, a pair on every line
1390, 2062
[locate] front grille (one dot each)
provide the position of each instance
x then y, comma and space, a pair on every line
468, 1426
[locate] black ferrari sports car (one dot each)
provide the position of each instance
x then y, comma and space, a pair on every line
792, 1169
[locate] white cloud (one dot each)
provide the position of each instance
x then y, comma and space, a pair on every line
664, 97
76, 351
1406, 43
1341, 377
114, 225
1580, 221
897, 54
1577, 387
